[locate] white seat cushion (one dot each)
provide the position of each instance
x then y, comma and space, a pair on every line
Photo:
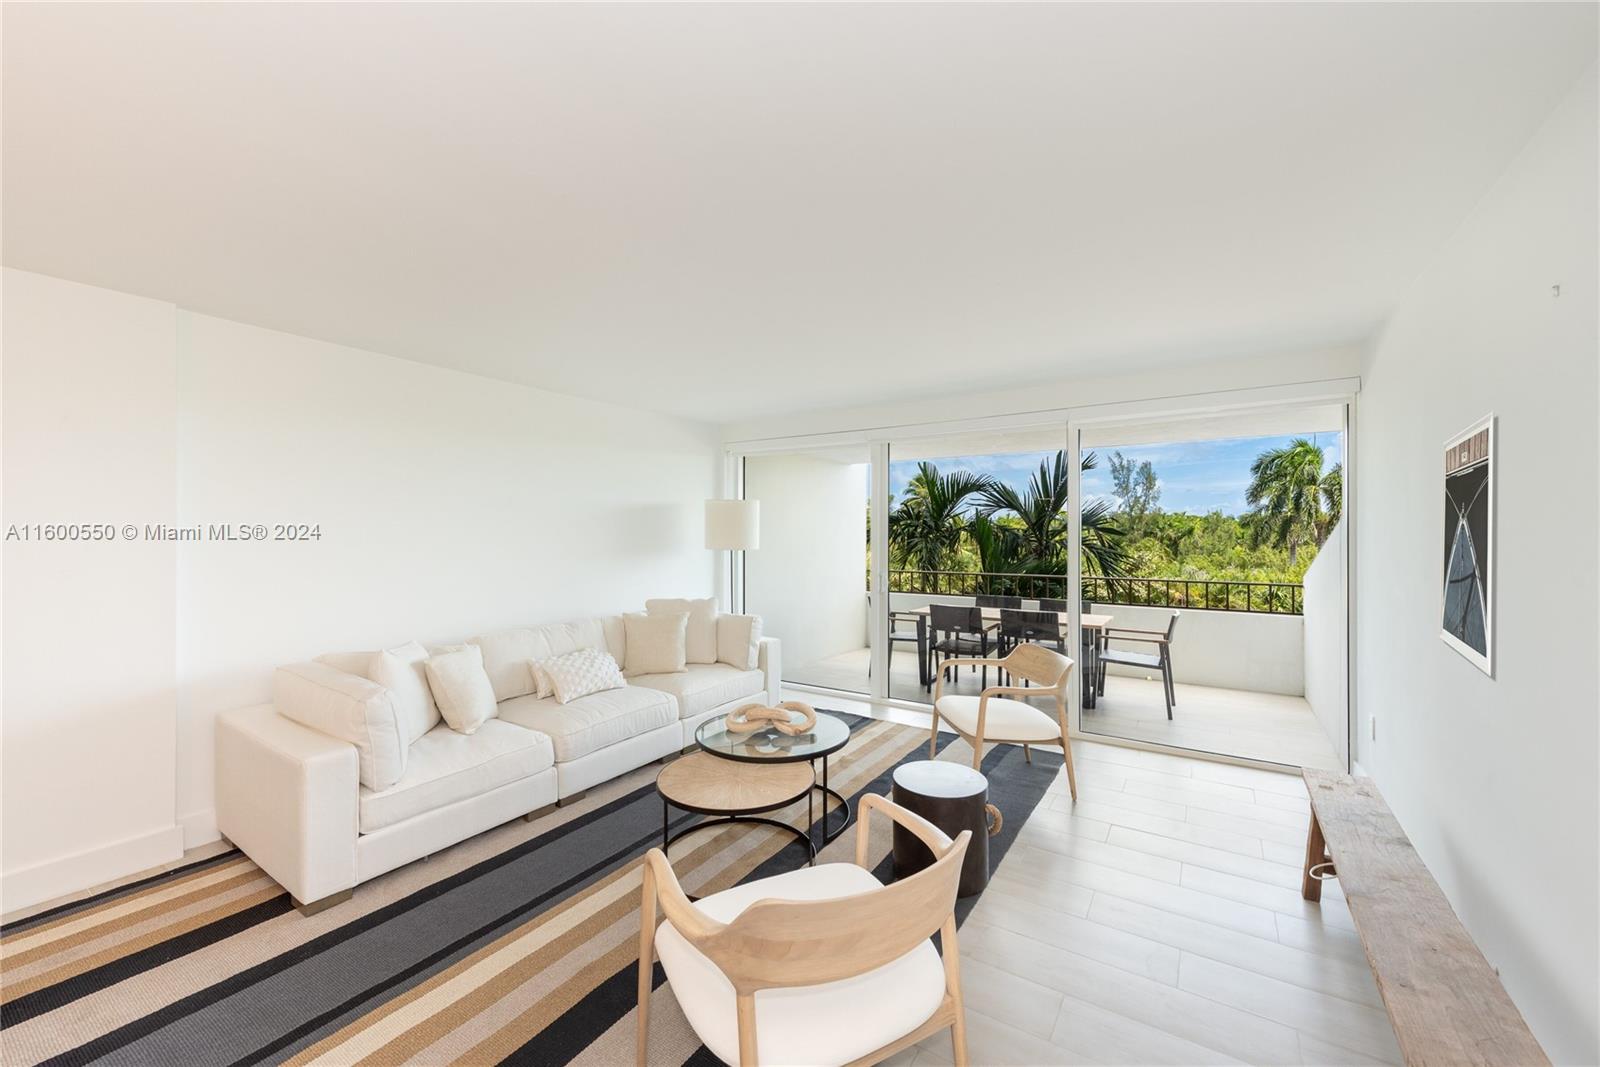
591, 723
1007, 720
704, 686
832, 1023
445, 766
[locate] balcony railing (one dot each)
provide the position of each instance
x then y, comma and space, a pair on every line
1271, 598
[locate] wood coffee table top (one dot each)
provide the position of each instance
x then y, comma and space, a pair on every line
714, 786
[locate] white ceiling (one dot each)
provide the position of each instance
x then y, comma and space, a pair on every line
735, 210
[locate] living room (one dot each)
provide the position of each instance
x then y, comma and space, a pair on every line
449, 421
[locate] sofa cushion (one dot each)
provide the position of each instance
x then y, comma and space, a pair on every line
700, 639
445, 767
590, 723
507, 653
705, 686
349, 707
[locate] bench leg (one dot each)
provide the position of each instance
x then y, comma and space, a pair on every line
1316, 852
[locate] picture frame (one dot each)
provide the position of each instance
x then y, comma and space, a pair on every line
1466, 594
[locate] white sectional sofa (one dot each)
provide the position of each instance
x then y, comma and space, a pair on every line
292, 797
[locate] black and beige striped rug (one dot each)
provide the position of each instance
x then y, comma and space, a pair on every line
516, 946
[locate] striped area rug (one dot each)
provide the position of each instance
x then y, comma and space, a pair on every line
518, 945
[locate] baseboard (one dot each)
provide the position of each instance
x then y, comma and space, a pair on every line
199, 828
55, 878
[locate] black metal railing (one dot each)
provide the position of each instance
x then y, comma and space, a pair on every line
1271, 598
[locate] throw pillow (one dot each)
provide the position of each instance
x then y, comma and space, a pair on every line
347, 706
739, 641
542, 686
461, 688
700, 639
400, 670
656, 643
577, 674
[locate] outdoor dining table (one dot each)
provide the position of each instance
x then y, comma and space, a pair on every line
1094, 626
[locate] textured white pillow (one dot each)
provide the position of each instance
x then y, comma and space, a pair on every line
577, 674
400, 670
700, 639
461, 688
656, 643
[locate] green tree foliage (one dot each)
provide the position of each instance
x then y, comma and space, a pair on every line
925, 529
1137, 488
1294, 502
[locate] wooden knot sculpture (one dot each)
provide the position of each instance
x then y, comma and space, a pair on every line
754, 717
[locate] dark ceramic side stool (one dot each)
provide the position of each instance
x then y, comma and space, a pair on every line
954, 798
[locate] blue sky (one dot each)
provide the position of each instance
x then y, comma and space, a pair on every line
1195, 476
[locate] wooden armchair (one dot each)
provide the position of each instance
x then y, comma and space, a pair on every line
770, 971
994, 716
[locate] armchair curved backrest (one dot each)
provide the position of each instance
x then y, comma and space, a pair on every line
1040, 665
776, 943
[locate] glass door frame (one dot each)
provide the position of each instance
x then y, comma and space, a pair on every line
1342, 391
1072, 420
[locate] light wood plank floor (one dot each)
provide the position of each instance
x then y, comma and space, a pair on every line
1270, 727
1159, 921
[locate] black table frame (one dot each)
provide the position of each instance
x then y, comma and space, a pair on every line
722, 817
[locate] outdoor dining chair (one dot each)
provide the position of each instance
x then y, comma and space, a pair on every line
959, 632
1158, 660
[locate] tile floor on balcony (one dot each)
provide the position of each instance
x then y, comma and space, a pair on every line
1234, 722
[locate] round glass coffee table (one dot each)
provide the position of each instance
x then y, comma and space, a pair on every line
770, 746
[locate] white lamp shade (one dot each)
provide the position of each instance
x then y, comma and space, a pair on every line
733, 524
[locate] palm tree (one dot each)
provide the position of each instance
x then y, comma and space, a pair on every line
1042, 507
1295, 502
925, 528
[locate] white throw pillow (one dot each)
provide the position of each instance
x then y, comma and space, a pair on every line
461, 688
739, 641
400, 670
347, 706
656, 643
700, 639
577, 674
542, 686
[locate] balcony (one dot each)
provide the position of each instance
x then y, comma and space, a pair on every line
1240, 657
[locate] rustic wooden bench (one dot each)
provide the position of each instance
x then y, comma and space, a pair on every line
1445, 1002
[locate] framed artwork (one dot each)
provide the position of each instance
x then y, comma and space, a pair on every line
1467, 596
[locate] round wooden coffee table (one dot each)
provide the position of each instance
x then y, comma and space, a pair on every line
772, 747
734, 792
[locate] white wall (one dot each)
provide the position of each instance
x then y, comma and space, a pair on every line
808, 579
90, 438
1327, 631
448, 504
1495, 779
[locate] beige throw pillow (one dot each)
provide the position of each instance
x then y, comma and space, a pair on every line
401, 671
461, 688
577, 674
739, 641
542, 686
700, 639
656, 643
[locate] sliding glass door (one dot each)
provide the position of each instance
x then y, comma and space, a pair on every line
1213, 587
808, 580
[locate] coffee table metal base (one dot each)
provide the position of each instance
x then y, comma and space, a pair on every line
732, 793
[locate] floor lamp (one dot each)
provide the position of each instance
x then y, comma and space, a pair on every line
733, 526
